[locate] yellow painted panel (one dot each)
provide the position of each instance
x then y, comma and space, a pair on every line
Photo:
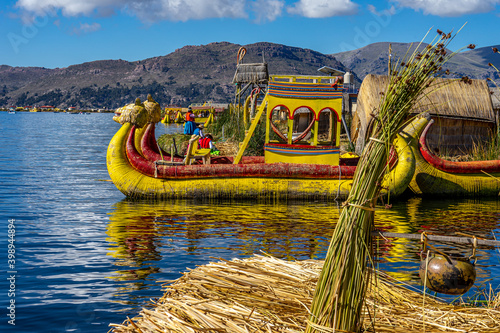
328, 159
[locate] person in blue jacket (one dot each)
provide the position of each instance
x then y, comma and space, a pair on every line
199, 130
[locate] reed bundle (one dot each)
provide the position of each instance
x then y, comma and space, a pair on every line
266, 294
231, 128
342, 284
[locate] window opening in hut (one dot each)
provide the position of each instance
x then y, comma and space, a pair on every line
303, 119
326, 128
279, 124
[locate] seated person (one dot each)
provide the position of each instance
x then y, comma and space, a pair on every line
199, 130
206, 142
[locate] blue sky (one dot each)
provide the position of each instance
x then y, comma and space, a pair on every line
59, 33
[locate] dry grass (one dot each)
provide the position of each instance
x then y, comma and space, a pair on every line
227, 148
265, 294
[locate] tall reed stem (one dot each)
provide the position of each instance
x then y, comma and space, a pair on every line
341, 287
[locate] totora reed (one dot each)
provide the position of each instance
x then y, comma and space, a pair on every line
340, 292
265, 294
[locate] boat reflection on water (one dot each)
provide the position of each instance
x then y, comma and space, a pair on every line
399, 256
159, 240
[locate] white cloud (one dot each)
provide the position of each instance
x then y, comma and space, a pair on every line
183, 10
68, 7
267, 10
388, 11
450, 7
146, 10
323, 8
86, 28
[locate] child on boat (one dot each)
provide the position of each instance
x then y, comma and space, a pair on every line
199, 130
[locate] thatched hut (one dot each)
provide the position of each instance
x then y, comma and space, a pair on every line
495, 99
463, 113
251, 73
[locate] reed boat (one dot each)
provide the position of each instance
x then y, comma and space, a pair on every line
435, 176
175, 115
301, 154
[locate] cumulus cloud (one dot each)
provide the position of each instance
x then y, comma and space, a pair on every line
389, 11
86, 28
183, 10
68, 7
450, 7
146, 10
323, 8
267, 10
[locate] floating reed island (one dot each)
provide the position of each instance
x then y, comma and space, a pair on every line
266, 294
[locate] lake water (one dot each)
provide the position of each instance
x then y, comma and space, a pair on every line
86, 257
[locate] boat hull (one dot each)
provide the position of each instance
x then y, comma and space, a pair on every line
462, 179
137, 177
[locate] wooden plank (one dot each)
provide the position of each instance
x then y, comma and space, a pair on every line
463, 240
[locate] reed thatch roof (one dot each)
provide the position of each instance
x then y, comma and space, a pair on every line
251, 73
454, 100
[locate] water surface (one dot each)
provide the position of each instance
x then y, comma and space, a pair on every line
87, 257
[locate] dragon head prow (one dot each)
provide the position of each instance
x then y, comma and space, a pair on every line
153, 109
135, 113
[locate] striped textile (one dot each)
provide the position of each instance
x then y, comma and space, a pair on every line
305, 151
304, 90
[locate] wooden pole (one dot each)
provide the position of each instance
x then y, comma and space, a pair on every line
463, 240
390, 63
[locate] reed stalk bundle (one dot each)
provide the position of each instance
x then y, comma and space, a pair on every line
340, 293
266, 294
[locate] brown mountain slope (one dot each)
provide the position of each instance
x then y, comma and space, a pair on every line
190, 74
373, 59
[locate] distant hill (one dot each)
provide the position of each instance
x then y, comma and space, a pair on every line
373, 59
191, 74
195, 74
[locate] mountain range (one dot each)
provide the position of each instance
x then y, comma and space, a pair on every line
194, 74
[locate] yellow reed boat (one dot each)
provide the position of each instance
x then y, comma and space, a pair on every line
301, 153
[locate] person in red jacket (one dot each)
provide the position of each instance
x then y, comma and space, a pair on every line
189, 115
206, 142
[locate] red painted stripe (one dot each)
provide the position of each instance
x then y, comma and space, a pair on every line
301, 152
276, 170
492, 166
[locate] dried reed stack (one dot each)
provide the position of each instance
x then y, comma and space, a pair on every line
268, 295
342, 284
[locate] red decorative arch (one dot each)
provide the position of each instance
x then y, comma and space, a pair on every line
309, 127
275, 130
333, 110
